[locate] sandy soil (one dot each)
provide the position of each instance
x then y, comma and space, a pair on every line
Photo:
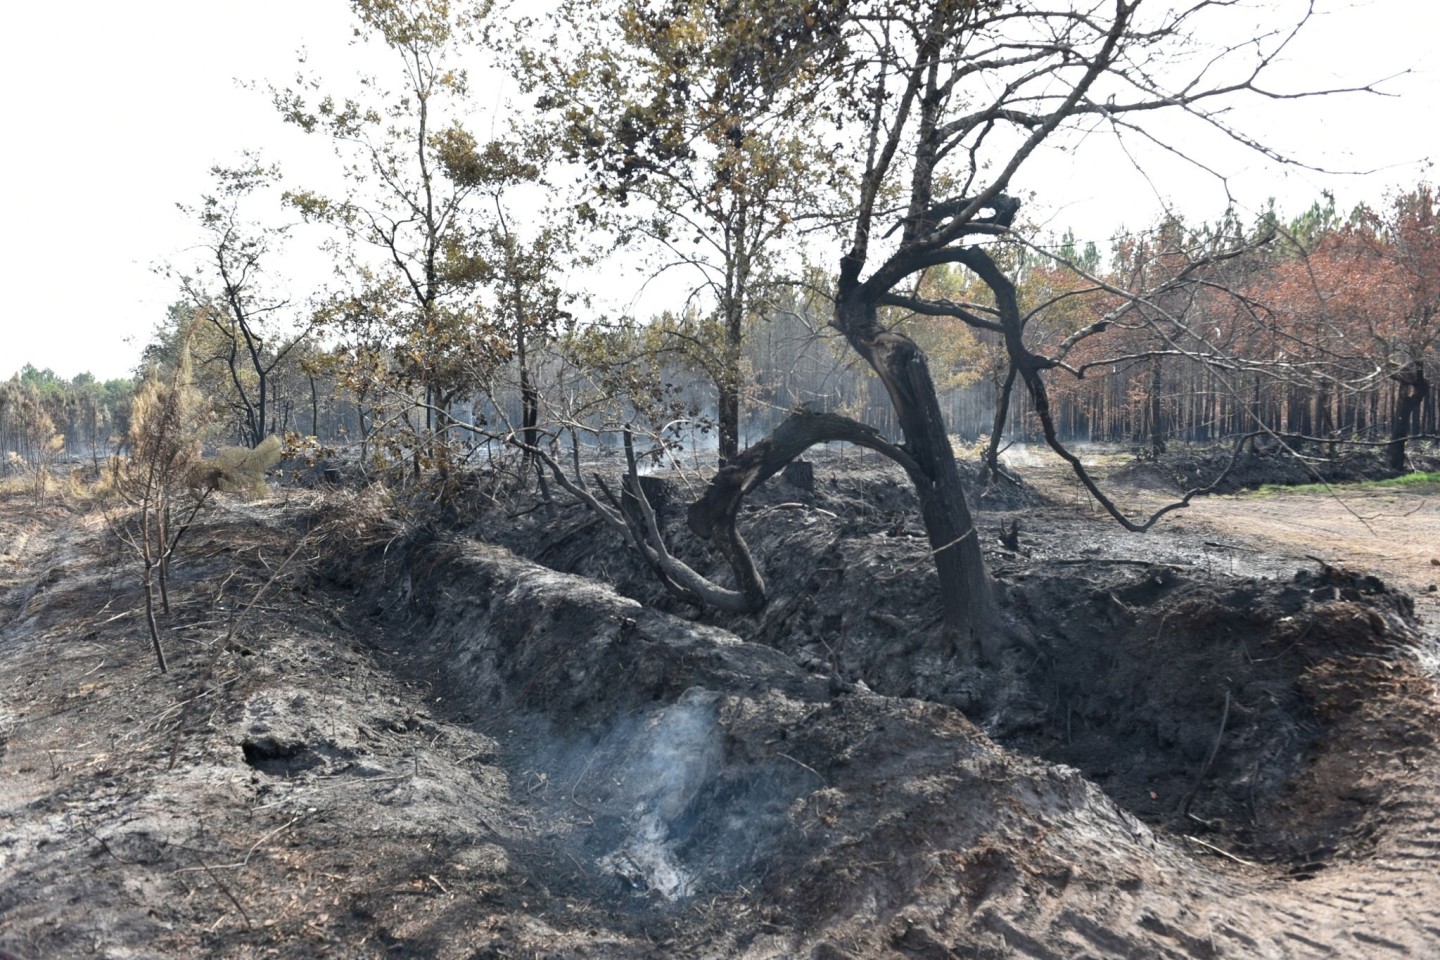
1395, 535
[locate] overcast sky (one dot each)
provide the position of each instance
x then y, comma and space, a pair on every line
116, 111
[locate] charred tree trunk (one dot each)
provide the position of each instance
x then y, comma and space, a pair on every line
262, 408
1157, 409
149, 562
1324, 418
529, 406
728, 412
1413, 390
314, 408
1253, 425
1002, 411
966, 593
162, 555
364, 431
727, 384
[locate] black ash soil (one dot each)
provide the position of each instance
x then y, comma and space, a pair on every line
458, 742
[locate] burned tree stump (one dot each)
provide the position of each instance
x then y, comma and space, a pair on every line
1010, 536
658, 491
800, 474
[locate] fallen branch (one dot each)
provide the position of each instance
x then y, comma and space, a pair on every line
1224, 853
226, 890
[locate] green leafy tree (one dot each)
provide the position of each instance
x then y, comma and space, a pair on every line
689, 118
410, 247
253, 330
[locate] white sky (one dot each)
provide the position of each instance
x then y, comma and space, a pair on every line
114, 112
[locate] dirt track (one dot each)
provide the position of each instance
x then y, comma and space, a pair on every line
443, 751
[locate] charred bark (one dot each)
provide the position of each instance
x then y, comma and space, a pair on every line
966, 593
529, 408
1414, 388
997, 431
727, 419
1156, 415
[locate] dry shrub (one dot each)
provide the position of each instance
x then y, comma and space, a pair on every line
156, 493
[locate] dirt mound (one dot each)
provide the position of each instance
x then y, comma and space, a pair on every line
804, 536
1250, 718
1185, 468
864, 481
1250, 711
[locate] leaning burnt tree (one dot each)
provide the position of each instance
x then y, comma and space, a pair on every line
941, 106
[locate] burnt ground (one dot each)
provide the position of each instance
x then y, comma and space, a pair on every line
496, 738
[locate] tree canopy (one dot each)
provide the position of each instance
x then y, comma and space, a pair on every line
846, 187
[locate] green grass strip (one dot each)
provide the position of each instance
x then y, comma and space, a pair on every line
1419, 478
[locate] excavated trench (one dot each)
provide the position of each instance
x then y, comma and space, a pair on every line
1202, 693
1164, 739
1252, 713
426, 745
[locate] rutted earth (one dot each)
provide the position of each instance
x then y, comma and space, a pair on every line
403, 744
1390, 532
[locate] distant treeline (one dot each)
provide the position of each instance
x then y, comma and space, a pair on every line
40, 410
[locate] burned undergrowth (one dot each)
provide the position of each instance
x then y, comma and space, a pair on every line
1270, 464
